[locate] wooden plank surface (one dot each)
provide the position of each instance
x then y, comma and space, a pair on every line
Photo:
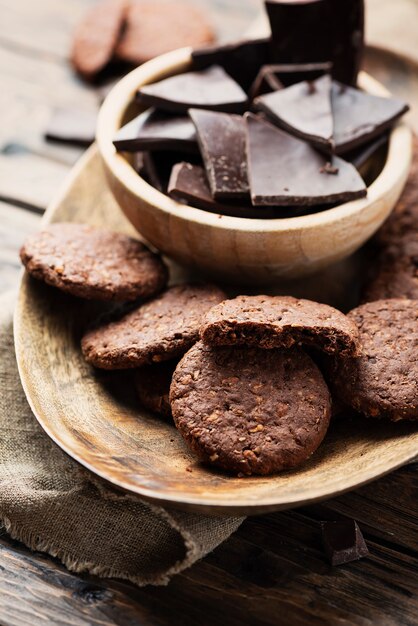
272, 571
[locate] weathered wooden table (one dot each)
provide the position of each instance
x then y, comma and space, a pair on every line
272, 571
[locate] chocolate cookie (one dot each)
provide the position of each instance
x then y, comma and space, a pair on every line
93, 263
96, 37
154, 28
160, 330
404, 218
383, 382
152, 383
250, 411
279, 322
396, 272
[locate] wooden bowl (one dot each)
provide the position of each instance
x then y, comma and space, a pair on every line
239, 249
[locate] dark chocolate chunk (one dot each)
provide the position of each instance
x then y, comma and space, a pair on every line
241, 60
210, 89
285, 170
360, 117
159, 164
156, 130
360, 156
71, 126
303, 110
343, 542
221, 139
319, 30
274, 77
188, 184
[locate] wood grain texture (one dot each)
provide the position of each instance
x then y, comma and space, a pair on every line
93, 416
271, 572
15, 225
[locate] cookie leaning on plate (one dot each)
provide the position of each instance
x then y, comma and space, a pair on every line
248, 410
280, 322
152, 384
395, 271
383, 381
93, 263
160, 330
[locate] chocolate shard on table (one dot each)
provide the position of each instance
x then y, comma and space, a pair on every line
188, 184
343, 541
241, 60
70, 126
221, 138
360, 117
284, 170
303, 110
157, 130
210, 89
318, 30
277, 76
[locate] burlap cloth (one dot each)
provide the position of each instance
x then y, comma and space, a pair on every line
51, 504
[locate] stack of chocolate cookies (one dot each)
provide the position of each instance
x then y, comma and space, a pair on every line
240, 377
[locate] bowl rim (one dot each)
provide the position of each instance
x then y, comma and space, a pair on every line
122, 94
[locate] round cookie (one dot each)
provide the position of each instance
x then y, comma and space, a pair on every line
96, 36
383, 381
160, 330
404, 218
93, 263
396, 272
279, 322
152, 384
250, 411
154, 28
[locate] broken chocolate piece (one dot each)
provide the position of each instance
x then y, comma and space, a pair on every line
274, 77
360, 117
159, 164
73, 127
221, 139
209, 89
241, 60
284, 170
359, 157
303, 110
343, 541
188, 184
156, 130
319, 30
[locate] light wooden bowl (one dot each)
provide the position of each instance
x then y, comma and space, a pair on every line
238, 249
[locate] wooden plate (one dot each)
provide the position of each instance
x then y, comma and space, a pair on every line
95, 418
94, 415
